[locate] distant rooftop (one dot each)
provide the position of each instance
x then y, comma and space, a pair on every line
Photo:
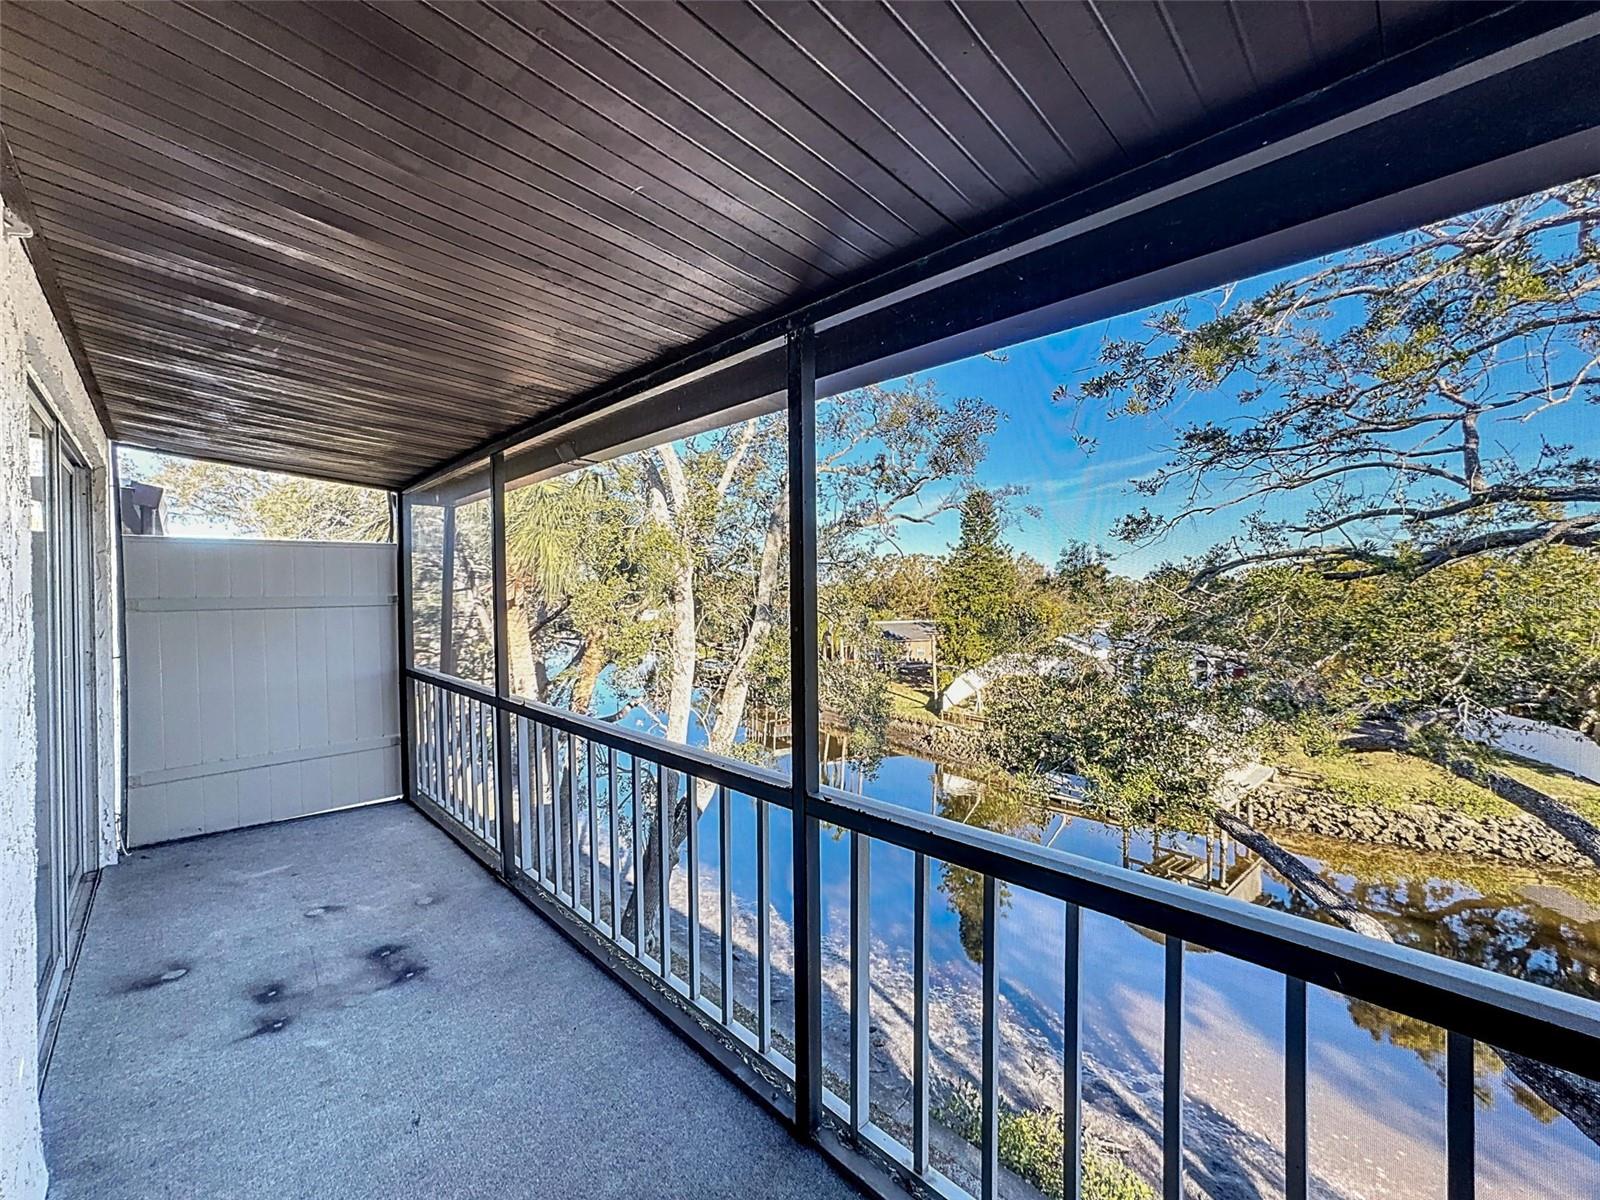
906, 631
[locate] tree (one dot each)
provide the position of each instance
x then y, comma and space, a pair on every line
976, 614
1371, 392
1151, 740
570, 593
1518, 632
901, 586
713, 543
252, 503
989, 602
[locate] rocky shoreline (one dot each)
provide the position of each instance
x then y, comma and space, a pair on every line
937, 742
1513, 838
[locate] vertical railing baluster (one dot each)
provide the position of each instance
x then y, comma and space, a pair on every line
636, 845
611, 838
491, 771
461, 774
491, 782
990, 1129
487, 815
1072, 1057
425, 727
475, 770
480, 771
1172, 1075
463, 768
665, 856
693, 809
469, 765
725, 878
431, 718
553, 742
441, 752
763, 933
1295, 1159
570, 803
860, 980
464, 758
420, 722
919, 1015
594, 836
490, 786
525, 797
451, 791
457, 760
1460, 1135
413, 722
536, 754
441, 748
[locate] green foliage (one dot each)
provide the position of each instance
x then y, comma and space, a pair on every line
988, 602
1152, 741
975, 599
1366, 393
251, 503
1518, 630
1032, 1145
899, 586
856, 693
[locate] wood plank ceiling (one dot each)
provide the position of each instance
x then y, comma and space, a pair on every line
357, 239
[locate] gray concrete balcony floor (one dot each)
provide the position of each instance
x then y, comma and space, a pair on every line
350, 1006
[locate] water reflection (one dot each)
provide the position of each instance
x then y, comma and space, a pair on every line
1378, 1074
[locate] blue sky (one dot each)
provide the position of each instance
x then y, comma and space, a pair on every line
1080, 492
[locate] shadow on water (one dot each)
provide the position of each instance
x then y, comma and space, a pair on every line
1376, 1073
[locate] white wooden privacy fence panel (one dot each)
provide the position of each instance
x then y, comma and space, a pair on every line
261, 681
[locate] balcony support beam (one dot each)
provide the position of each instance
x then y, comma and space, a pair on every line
504, 799
805, 773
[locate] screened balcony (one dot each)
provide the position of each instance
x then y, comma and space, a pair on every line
625, 308
348, 1005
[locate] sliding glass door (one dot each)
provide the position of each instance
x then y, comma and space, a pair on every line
64, 796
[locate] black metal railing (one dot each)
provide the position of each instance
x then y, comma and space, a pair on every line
587, 805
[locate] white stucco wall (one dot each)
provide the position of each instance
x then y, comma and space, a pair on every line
29, 339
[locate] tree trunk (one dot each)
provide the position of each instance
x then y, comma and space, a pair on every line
1571, 825
1572, 1096
1302, 877
667, 496
736, 688
526, 678
591, 661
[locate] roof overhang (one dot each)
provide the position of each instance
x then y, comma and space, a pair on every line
348, 356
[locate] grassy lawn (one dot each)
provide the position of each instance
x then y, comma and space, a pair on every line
1581, 795
1388, 779
909, 703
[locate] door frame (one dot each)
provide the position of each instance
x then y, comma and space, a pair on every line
73, 680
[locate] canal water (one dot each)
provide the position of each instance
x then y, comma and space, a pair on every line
1377, 1094
1376, 1097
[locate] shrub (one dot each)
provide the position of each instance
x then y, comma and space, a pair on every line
1032, 1143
